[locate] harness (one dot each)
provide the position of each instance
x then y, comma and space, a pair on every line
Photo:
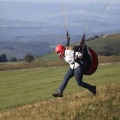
89, 60
86, 60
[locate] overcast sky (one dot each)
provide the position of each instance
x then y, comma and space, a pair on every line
114, 1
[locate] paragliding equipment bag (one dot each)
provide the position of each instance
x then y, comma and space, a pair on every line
86, 61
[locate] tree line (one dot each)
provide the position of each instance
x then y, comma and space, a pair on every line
3, 58
28, 58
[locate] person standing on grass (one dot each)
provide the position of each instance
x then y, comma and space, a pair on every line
76, 69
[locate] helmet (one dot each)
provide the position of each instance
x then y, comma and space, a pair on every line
61, 50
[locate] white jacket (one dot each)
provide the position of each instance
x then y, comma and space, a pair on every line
69, 58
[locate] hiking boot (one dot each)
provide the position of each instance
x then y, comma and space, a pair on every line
93, 90
57, 94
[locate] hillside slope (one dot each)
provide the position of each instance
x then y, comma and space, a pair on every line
80, 106
107, 45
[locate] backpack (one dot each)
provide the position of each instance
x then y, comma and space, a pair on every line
89, 60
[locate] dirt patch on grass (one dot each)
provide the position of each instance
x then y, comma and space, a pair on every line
24, 65
108, 59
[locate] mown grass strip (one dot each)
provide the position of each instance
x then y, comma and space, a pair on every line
20, 87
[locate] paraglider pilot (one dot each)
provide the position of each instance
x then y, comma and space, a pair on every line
75, 69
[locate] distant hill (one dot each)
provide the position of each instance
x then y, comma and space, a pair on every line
19, 46
43, 45
106, 45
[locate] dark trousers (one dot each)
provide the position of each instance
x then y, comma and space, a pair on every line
78, 73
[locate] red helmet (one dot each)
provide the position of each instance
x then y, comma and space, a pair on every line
60, 49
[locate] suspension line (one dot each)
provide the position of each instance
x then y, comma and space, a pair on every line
102, 12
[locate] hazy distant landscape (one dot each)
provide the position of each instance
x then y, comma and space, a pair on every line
42, 25
26, 18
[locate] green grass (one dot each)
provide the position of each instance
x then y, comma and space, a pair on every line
106, 46
78, 106
21, 87
48, 57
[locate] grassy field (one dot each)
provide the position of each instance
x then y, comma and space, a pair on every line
78, 106
27, 86
26, 94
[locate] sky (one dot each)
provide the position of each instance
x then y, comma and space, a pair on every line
82, 1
